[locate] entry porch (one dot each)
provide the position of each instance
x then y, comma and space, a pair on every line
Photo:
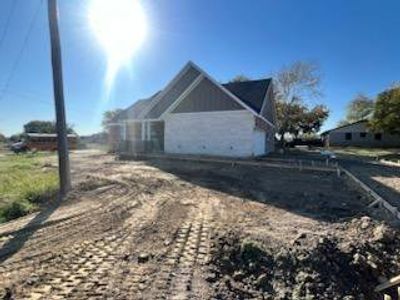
139, 136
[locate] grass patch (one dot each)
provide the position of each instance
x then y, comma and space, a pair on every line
24, 183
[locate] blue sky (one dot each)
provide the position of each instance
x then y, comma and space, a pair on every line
356, 44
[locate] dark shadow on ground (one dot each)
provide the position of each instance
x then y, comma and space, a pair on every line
319, 195
367, 169
395, 157
21, 236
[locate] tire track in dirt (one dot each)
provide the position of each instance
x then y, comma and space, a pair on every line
86, 256
117, 211
84, 226
69, 210
189, 252
85, 272
74, 215
65, 279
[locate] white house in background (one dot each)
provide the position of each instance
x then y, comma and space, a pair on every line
359, 135
194, 114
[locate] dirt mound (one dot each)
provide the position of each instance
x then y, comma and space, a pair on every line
315, 267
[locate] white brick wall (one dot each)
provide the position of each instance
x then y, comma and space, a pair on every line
258, 142
227, 133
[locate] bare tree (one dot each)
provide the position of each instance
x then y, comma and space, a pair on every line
298, 82
294, 86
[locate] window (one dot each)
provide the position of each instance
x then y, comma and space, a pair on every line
378, 136
122, 131
348, 136
363, 134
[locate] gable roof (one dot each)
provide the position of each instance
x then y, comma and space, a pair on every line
344, 126
134, 111
173, 91
251, 92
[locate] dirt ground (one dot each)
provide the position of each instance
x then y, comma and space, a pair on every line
161, 229
384, 179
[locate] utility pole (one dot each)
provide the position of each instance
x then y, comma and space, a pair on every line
61, 124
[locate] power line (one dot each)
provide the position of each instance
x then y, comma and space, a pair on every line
38, 98
21, 51
7, 24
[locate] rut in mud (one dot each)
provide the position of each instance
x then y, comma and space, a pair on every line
170, 230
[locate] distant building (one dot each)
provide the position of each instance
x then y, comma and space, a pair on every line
359, 135
48, 141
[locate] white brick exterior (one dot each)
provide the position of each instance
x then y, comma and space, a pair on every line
258, 142
226, 133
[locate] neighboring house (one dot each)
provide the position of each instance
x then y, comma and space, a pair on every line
358, 134
48, 141
194, 114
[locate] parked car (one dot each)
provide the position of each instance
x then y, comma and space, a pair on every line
316, 142
19, 147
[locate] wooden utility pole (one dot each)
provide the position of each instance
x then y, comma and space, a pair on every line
61, 124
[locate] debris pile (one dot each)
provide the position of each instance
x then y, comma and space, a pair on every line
346, 266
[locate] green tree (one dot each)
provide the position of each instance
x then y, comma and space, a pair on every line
38, 126
16, 137
299, 119
342, 123
313, 119
360, 108
3, 138
239, 78
109, 116
386, 115
294, 85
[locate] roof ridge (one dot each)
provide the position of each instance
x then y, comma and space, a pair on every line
246, 81
345, 125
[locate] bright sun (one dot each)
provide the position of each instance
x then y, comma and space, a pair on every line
120, 26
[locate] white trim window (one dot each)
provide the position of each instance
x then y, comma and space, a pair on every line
123, 131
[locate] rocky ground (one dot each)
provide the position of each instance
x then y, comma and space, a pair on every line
178, 230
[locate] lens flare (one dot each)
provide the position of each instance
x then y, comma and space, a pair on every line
120, 26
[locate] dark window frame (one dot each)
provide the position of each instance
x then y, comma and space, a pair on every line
348, 136
378, 136
363, 134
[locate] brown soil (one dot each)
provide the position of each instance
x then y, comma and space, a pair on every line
179, 230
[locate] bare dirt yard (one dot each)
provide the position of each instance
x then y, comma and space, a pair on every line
164, 229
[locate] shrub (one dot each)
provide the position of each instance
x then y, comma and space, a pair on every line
16, 209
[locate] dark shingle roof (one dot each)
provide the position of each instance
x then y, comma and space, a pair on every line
133, 111
250, 92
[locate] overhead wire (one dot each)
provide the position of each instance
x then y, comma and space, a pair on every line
7, 23
20, 52
5, 90
38, 98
